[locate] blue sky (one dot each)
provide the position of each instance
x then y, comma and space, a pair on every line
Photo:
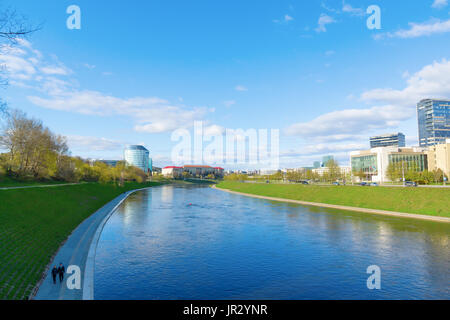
138, 70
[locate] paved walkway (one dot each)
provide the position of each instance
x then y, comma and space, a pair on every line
79, 250
40, 186
333, 206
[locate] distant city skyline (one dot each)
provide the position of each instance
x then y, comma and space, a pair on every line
134, 73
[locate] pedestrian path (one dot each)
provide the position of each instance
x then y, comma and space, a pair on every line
79, 250
40, 186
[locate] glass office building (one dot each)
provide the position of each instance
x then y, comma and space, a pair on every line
412, 161
388, 140
137, 156
367, 164
434, 121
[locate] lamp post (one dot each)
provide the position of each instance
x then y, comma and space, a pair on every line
403, 172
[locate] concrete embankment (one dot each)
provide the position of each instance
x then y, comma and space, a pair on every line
340, 207
79, 250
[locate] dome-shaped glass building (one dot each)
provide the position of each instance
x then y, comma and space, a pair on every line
137, 156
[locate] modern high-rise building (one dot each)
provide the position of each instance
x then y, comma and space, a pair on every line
388, 140
434, 121
137, 156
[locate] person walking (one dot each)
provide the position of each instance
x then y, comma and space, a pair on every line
54, 273
61, 271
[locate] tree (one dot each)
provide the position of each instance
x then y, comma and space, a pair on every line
186, 175
334, 171
33, 150
12, 27
438, 175
392, 172
276, 176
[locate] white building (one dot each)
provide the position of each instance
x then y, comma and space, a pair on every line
375, 162
345, 170
172, 172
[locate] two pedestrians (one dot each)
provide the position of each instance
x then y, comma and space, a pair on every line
58, 271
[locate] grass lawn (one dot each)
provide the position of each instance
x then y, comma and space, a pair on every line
427, 201
33, 224
6, 182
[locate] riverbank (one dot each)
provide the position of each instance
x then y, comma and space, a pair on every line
427, 204
35, 222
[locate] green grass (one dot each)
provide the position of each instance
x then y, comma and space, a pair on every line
33, 224
426, 201
6, 182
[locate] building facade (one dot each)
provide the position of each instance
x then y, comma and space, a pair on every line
343, 171
434, 121
193, 170
388, 140
439, 157
137, 156
373, 164
172, 172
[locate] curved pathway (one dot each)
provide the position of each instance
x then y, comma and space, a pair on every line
79, 250
347, 208
40, 186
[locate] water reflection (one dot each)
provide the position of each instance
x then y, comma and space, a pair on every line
178, 242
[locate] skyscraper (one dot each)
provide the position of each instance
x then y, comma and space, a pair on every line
388, 140
137, 156
434, 121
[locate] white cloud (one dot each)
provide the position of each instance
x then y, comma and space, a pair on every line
431, 81
89, 144
240, 88
55, 70
394, 106
324, 19
438, 4
285, 19
350, 121
89, 66
323, 148
324, 5
28, 69
288, 18
330, 53
229, 103
152, 114
213, 130
418, 30
347, 8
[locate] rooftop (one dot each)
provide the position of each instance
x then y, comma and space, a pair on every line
136, 147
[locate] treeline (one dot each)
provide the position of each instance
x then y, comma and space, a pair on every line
398, 171
33, 152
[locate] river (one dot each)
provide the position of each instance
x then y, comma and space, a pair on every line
195, 242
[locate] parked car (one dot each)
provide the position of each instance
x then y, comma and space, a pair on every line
374, 184
336, 183
363, 184
410, 184
304, 182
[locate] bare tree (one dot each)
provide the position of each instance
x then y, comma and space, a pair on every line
13, 26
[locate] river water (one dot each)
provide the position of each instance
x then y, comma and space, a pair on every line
195, 242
